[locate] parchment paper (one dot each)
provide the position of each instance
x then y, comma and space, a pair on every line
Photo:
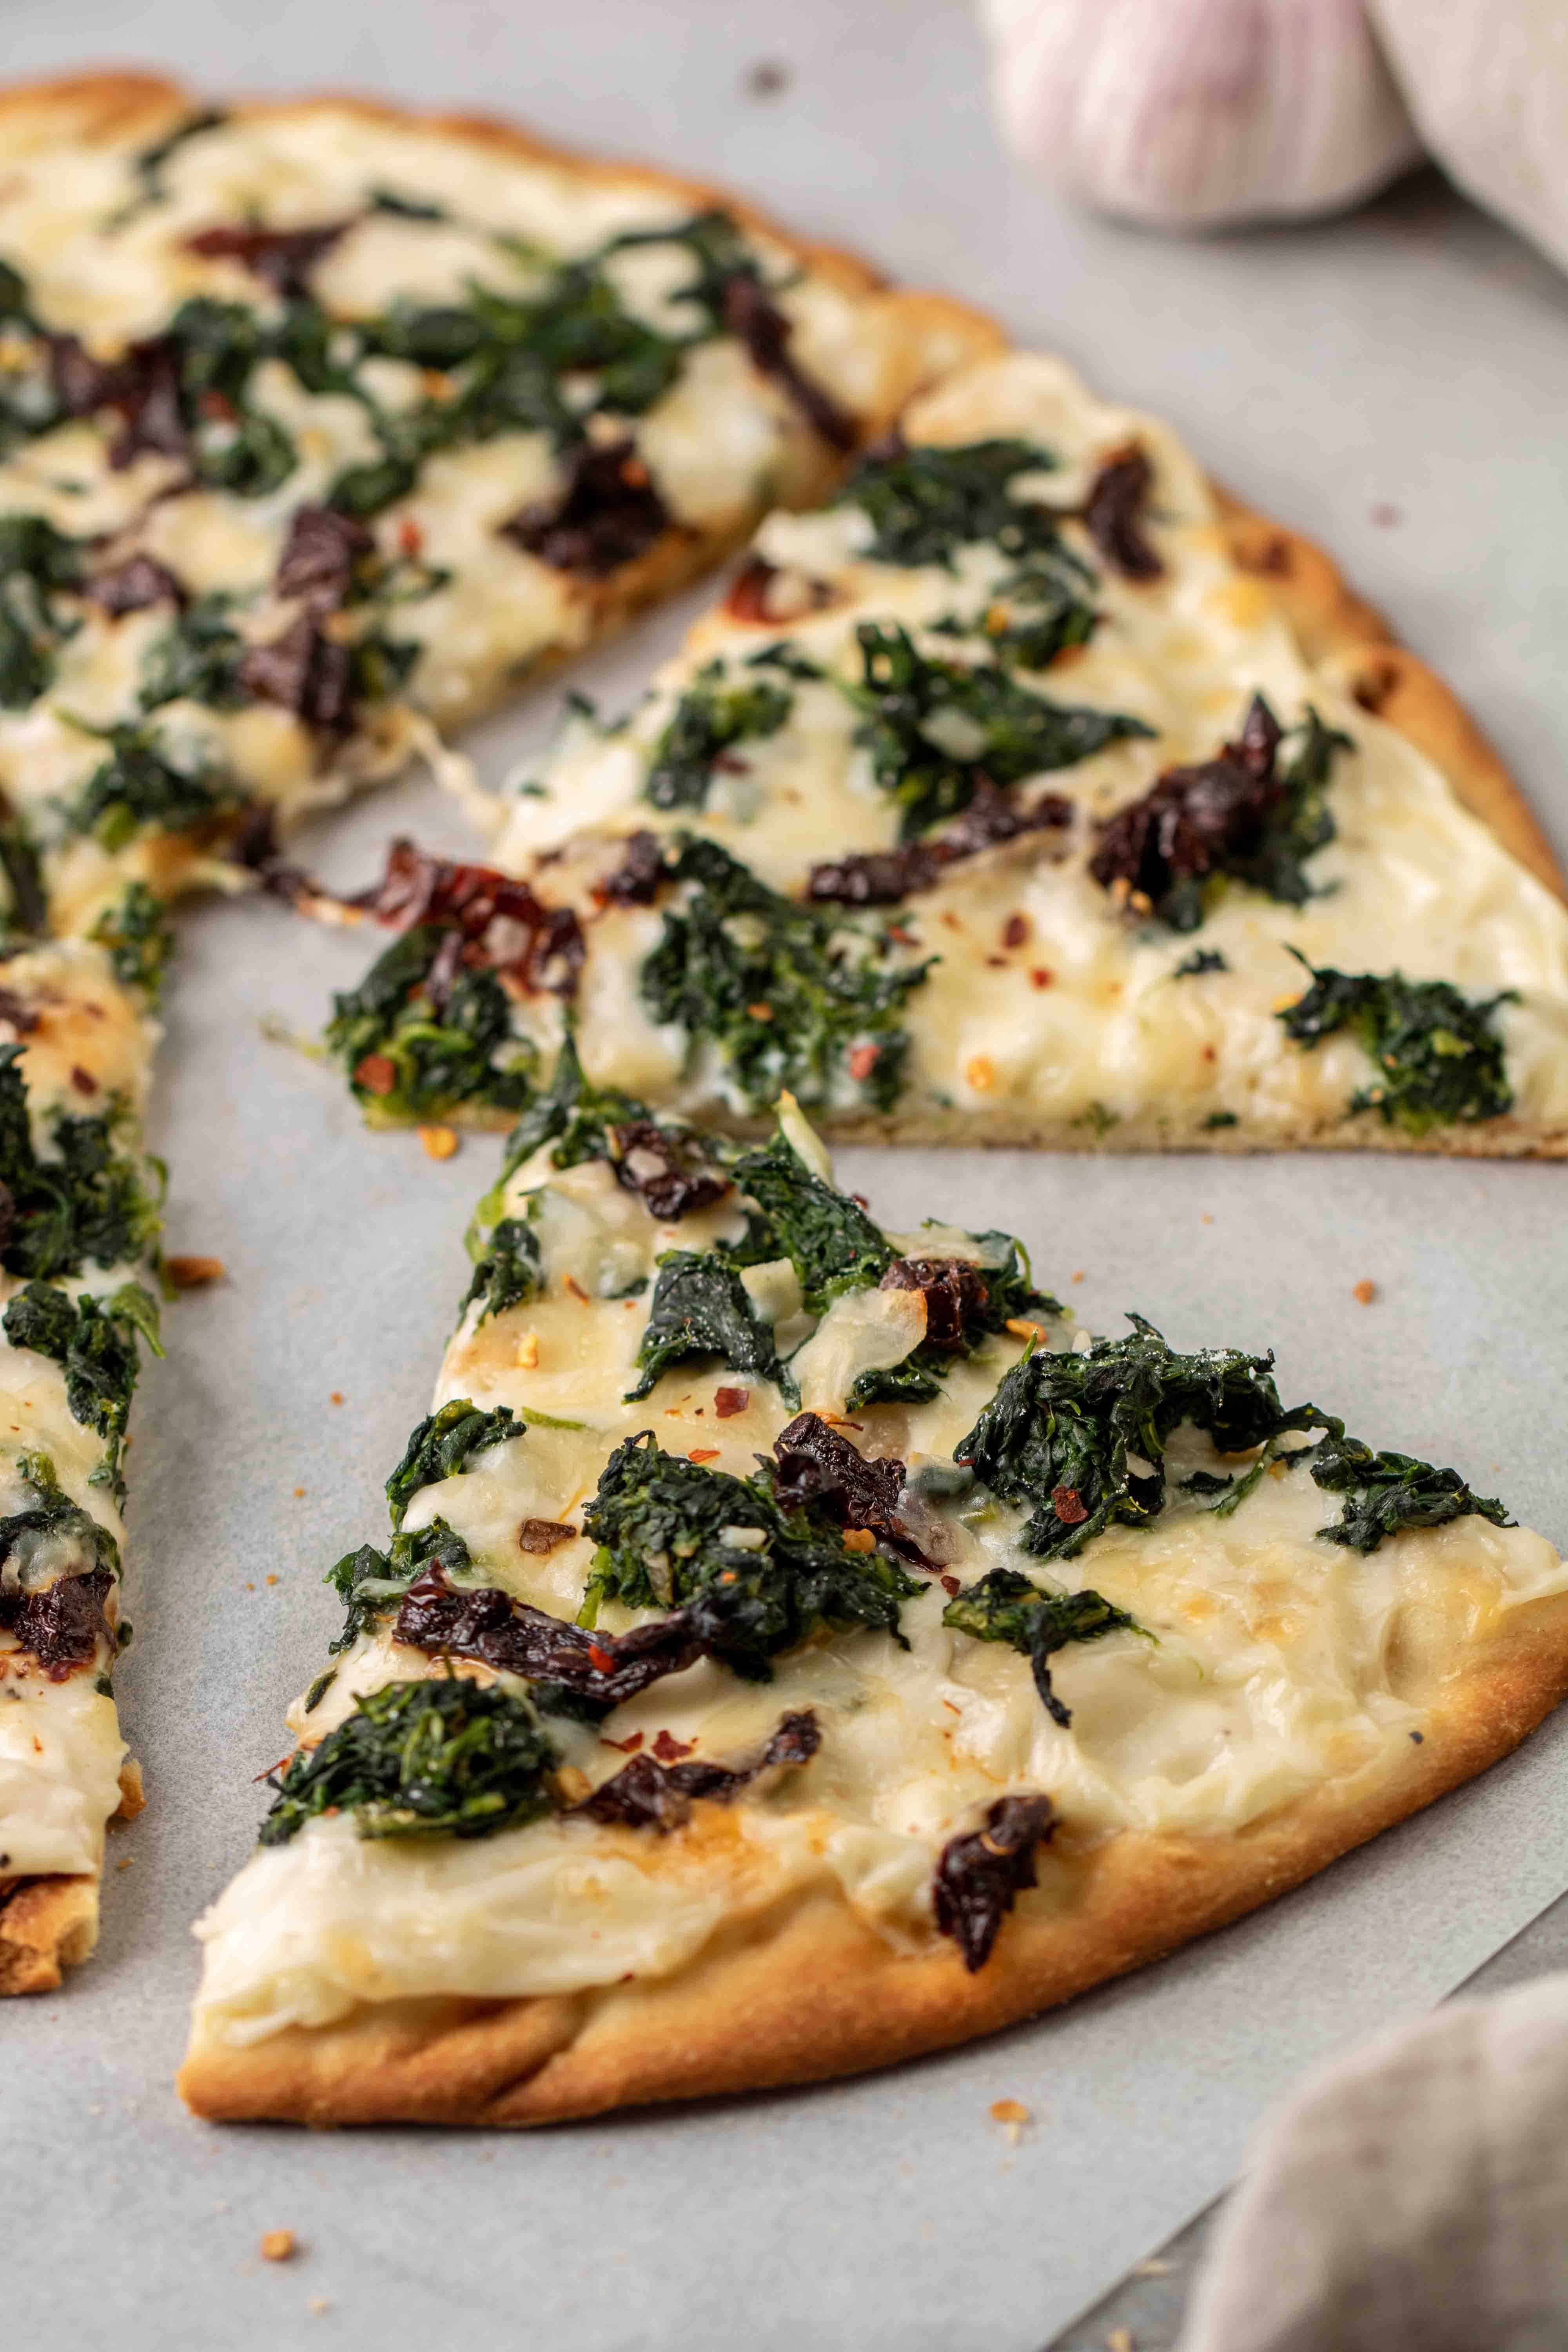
1412, 358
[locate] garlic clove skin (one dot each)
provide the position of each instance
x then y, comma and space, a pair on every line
1191, 113
1489, 87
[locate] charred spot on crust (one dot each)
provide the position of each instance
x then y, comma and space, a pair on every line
282, 259
980, 1876
608, 514
62, 1624
955, 1290
667, 1169
1113, 514
646, 1794
491, 920
1373, 687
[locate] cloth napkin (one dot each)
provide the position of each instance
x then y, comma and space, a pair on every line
1412, 2198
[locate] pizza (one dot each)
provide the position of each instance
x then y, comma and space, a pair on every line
1030, 791
322, 425
797, 1645
79, 1233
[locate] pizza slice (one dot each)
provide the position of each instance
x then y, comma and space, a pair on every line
1029, 792
78, 1227
322, 422
797, 1647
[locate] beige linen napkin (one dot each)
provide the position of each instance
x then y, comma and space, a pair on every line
1412, 2198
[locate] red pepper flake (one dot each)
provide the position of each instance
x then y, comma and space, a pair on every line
410, 537
602, 1661
83, 1080
1068, 1505
863, 1060
729, 1401
760, 1012
703, 1453
377, 1074
627, 1747
217, 406
951, 1586
670, 1750
1014, 931
576, 1289
1042, 975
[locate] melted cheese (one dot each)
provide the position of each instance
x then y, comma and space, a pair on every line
1047, 1011
1270, 1663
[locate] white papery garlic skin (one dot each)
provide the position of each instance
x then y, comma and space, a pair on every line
1189, 114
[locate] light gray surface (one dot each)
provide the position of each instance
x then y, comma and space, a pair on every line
1414, 357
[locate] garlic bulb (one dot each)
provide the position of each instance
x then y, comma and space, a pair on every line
1186, 113
1489, 87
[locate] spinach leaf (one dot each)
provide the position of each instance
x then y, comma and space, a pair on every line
370, 1582
915, 709
150, 163
436, 1758
416, 1047
672, 1533
93, 1339
1439, 1060
832, 1243
1058, 1434
1385, 1492
792, 996
442, 1446
51, 1537
578, 1117
508, 1272
701, 1308
198, 659
710, 717
925, 503
1006, 1607
139, 938
139, 785
37, 562
88, 1200
965, 1303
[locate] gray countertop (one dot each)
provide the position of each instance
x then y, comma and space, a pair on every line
1413, 359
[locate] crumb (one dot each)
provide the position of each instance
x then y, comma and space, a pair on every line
1119, 2340
272, 1580
1153, 2268
1078, 1276
297, 1492
1365, 1292
1206, 1219
318, 2305
125, 1862
279, 2246
440, 1142
336, 1397
1386, 516
250, 1588
1013, 2115
192, 1273
768, 78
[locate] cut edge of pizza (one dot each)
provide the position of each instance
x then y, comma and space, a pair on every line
800, 1646
1033, 791
78, 1250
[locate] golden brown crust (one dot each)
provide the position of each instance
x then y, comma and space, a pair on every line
47, 1925
1339, 630
809, 1992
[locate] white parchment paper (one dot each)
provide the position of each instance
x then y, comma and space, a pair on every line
1414, 360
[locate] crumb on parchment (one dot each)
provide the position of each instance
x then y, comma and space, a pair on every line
194, 1273
1365, 1292
278, 2246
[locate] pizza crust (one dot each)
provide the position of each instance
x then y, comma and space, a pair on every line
808, 1991
47, 1925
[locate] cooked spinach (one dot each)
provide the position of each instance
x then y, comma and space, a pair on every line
51, 1537
755, 1579
1006, 1607
139, 938
508, 1271
710, 717
1056, 1436
93, 1339
925, 503
701, 1307
1386, 1492
442, 1446
37, 562
1439, 1060
792, 996
445, 1758
198, 659
832, 1243
577, 1117
1201, 962
139, 785
370, 1582
149, 164
88, 1200
967, 1303
933, 728
417, 1046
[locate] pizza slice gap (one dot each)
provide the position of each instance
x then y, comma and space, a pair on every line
1029, 792
323, 425
79, 1231
798, 1645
